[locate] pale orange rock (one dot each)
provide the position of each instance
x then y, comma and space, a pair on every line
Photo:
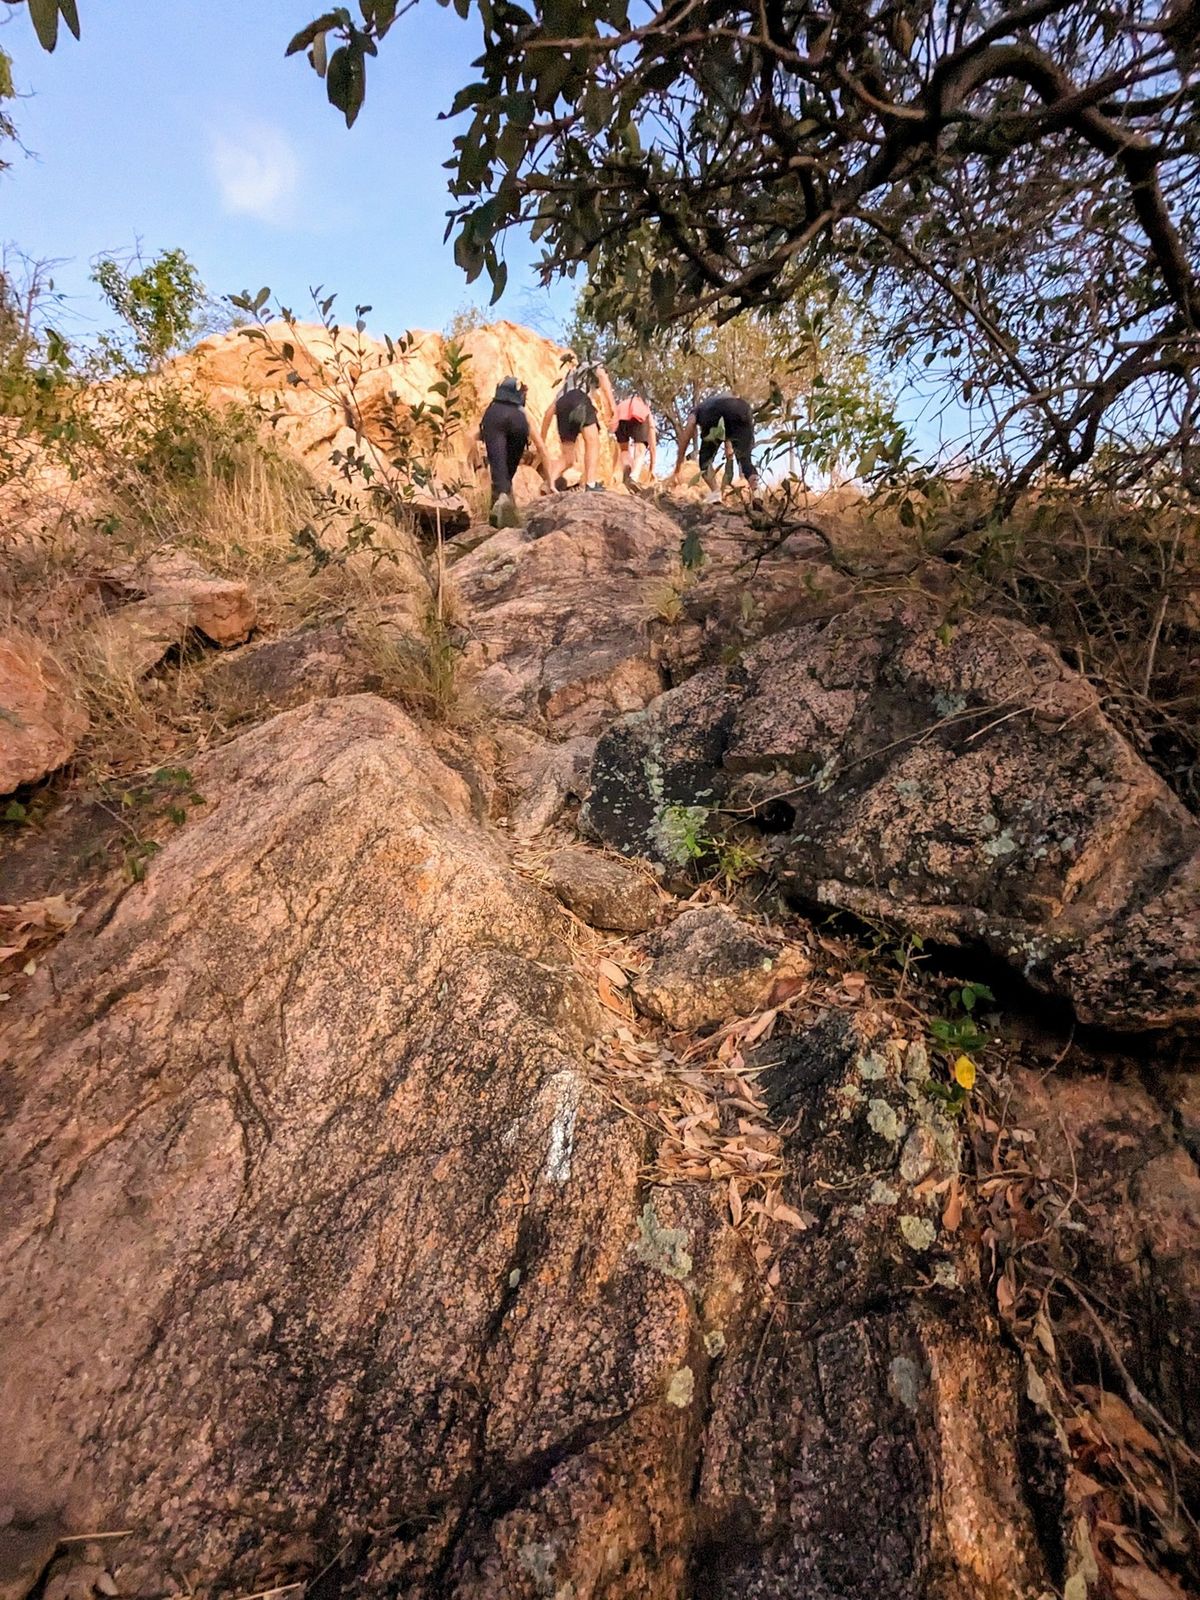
40, 723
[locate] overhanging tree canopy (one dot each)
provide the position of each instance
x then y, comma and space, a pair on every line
1015, 185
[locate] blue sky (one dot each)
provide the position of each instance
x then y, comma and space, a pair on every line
179, 122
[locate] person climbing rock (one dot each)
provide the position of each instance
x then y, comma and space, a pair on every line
574, 414
507, 432
723, 419
635, 431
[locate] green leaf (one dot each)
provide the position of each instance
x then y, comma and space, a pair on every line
346, 81
70, 15
44, 14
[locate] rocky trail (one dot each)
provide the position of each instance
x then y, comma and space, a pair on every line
540, 1158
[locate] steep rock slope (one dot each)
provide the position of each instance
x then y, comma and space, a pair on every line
326, 1254
315, 1233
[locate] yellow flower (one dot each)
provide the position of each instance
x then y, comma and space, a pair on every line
964, 1072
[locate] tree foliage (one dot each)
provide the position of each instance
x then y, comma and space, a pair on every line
8, 129
803, 367
159, 302
1012, 183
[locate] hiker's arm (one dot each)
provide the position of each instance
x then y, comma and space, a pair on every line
606, 394
685, 444
653, 446
539, 444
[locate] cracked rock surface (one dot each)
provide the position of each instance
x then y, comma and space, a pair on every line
962, 783
313, 1228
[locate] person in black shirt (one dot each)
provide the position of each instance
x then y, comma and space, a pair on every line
507, 431
574, 414
723, 419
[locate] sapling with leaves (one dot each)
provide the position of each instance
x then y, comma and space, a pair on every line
960, 1039
391, 473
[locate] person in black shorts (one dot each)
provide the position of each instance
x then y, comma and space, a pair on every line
723, 419
507, 432
573, 413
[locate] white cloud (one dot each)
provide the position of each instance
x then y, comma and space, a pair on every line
256, 170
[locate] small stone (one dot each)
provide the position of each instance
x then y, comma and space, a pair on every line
710, 964
681, 1388
603, 891
919, 1233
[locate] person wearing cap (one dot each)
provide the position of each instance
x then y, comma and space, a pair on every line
507, 431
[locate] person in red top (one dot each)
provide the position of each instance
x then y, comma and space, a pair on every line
635, 431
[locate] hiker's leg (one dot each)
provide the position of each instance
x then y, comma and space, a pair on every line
591, 452
498, 446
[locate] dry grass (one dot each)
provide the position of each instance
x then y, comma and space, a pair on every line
419, 670
174, 473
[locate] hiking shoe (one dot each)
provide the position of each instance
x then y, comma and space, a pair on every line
505, 513
596, 488
561, 484
713, 498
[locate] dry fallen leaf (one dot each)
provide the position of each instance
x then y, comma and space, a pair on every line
1120, 1425
1139, 1583
952, 1213
758, 1028
789, 1216
1005, 1298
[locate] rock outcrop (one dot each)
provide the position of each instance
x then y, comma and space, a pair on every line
40, 723
222, 609
310, 416
279, 674
165, 598
575, 661
315, 1236
959, 781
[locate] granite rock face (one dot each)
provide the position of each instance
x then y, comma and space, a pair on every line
40, 723
962, 783
316, 1236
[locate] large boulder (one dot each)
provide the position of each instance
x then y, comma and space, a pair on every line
222, 609
159, 602
562, 611
277, 674
960, 781
319, 1251
310, 415
298, 1187
40, 722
